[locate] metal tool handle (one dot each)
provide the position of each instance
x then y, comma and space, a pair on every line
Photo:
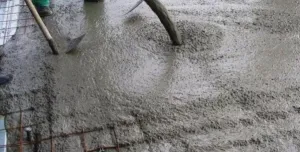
42, 26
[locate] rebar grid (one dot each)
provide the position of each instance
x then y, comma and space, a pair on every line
14, 16
37, 141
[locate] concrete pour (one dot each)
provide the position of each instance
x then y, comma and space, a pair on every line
232, 86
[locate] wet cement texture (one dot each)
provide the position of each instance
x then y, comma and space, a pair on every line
232, 86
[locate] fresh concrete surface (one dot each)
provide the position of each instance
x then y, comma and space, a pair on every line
232, 86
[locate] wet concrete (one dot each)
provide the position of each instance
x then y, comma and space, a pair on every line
232, 85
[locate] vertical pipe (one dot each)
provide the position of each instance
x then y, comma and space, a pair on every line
28, 134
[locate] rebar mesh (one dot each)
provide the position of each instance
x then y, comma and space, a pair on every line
14, 15
26, 140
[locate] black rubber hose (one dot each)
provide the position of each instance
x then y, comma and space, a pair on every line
165, 19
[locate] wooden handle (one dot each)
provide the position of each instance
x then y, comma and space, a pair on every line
42, 26
38, 19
